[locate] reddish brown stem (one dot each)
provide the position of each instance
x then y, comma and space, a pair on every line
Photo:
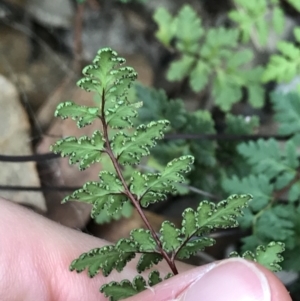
133, 200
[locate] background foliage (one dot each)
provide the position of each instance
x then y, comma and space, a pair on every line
218, 63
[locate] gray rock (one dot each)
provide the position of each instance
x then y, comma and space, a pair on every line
15, 140
54, 13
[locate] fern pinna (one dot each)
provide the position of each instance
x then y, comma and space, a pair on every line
124, 145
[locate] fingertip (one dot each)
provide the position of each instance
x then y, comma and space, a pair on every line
233, 279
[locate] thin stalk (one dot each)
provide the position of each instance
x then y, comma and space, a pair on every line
170, 261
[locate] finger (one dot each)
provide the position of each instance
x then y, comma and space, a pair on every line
227, 280
35, 256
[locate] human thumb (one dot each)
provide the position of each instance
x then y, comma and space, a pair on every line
228, 280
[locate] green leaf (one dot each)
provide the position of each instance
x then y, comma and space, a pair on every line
278, 20
295, 4
169, 236
156, 106
204, 151
188, 222
199, 76
106, 76
223, 215
264, 156
181, 68
104, 217
124, 289
259, 186
283, 67
121, 115
225, 94
294, 192
268, 256
166, 26
84, 150
144, 239
106, 259
150, 188
192, 247
251, 18
154, 278
279, 218
130, 149
238, 124
83, 114
147, 260
188, 29
287, 112
102, 195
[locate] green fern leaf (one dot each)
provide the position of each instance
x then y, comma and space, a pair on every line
125, 212
106, 77
192, 247
154, 278
124, 289
278, 20
180, 69
268, 256
169, 236
121, 115
144, 239
166, 26
204, 151
251, 18
225, 93
199, 76
115, 204
106, 194
84, 150
238, 124
283, 67
295, 4
147, 260
287, 112
188, 29
263, 155
259, 185
150, 188
130, 149
83, 114
156, 106
189, 222
223, 215
105, 259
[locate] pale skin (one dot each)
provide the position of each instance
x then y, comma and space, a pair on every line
35, 254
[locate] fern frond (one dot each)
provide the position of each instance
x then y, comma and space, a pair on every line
192, 247
83, 114
106, 76
287, 112
130, 149
204, 220
268, 256
223, 215
150, 188
251, 19
125, 289
84, 150
285, 66
106, 258
107, 194
259, 185
170, 236
147, 260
